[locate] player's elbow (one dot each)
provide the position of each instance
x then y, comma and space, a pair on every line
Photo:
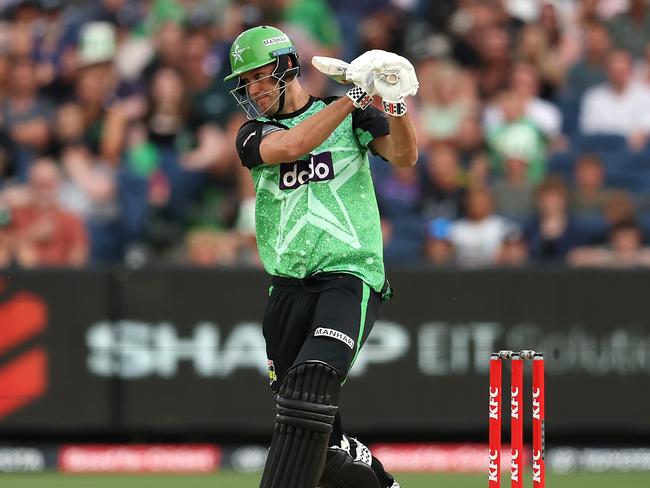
407, 158
294, 150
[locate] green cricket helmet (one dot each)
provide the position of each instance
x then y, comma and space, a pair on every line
259, 47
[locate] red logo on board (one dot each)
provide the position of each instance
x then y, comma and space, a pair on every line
23, 379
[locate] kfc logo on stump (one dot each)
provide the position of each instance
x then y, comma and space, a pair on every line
318, 167
23, 373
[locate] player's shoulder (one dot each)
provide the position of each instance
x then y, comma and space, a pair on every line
254, 124
257, 126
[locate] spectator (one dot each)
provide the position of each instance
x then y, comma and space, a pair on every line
54, 51
443, 192
564, 47
400, 192
514, 251
207, 248
447, 101
624, 249
349, 16
7, 156
590, 70
25, 116
5, 74
478, 171
69, 128
514, 194
518, 137
41, 233
642, 71
13, 197
437, 248
552, 233
583, 13
589, 195
169, 42
590, 11
525, 84
20, 40
90, 192
619, 207
382, 29
620, 106
535, 49
108, 103
399, 197
631, 30
477, 240
316, 18
210, 100
496, 66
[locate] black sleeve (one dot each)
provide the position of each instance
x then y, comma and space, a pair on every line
249, 138
369, 124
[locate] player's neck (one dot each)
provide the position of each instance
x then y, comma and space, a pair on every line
295, 99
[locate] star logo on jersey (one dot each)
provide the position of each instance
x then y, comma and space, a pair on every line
333, 219
237, 54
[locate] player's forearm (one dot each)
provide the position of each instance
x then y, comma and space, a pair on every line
288, 146
404, 149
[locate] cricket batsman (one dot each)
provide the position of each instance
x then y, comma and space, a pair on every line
319, 237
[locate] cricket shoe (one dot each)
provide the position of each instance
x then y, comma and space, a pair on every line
363, 453
352, 465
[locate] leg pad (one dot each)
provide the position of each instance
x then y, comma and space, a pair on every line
307, 404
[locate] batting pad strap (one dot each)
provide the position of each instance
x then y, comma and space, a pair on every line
318, 418
359, 97
396, 109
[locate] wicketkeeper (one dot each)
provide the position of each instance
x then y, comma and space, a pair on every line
319, 237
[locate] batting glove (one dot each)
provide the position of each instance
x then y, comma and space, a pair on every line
361, 74
393, 78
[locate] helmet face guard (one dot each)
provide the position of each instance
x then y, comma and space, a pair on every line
280, 74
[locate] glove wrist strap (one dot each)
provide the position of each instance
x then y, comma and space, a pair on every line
359, 97
396, 109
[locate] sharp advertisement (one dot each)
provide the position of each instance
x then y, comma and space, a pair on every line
180, 351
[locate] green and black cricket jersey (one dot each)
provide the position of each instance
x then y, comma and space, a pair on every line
318, 214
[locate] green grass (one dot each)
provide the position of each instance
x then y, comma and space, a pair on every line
233, 480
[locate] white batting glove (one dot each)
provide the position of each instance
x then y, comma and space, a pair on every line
361, 74
361, 71
393, 78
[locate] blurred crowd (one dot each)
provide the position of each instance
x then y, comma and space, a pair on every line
533, 118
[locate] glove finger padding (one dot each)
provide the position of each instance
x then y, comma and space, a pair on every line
363, 78
361, 71
405, 85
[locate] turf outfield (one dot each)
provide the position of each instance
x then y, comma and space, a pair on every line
233, 480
